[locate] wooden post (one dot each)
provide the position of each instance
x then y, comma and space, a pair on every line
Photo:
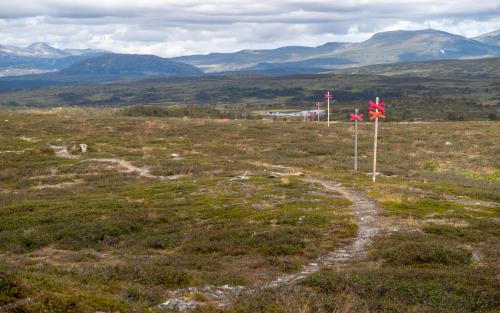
328, 109
356, 143
318, 106
375, 144
328, 96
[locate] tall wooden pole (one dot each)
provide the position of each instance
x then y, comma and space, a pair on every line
328, 101
318, 106
356, 143
375, 144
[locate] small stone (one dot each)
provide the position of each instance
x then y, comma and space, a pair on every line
83, 147
245, 176
179, 304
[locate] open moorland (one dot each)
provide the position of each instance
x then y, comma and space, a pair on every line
448, 90
224, 215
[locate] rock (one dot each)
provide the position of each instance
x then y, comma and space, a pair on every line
279, 175
62, 152
448, 143
245, 176
175, 156
77, 148
83, 147
179, 304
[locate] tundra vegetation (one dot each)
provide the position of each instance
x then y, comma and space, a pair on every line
436, 91
77, 235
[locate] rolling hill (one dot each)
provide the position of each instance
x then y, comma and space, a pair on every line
103, 68
385, 47
130, 64
476, 68
471, 96
492, 38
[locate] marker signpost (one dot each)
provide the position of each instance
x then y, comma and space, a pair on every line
318, 107
376, 110
328, 96
355, 118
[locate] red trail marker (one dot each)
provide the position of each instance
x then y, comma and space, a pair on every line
377, 109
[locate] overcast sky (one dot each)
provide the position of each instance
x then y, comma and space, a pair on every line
181, 27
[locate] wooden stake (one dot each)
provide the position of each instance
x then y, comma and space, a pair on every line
328, 111
318, 106
375, 145
356, 143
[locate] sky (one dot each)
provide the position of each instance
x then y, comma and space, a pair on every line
184, 27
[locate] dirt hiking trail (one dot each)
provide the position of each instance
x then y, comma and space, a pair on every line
365, 210
122, 166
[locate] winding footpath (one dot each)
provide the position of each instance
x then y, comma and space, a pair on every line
122, 165
363, 207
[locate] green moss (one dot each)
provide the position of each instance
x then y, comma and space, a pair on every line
494, 177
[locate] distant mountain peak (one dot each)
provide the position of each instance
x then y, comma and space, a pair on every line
409, 34
491, 38
40, 45
43, 49
490, 34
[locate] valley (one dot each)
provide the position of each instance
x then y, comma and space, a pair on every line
419, 91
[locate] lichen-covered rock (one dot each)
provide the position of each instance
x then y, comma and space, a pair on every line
179, 304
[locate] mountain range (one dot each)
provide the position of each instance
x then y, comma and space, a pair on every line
44, 50
385, 47
40, 58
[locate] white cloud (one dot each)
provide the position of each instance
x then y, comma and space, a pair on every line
171, 28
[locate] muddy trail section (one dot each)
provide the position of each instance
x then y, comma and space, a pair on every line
365, 210
122, 166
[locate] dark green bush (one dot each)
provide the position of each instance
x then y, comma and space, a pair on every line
10, 290
416, 249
